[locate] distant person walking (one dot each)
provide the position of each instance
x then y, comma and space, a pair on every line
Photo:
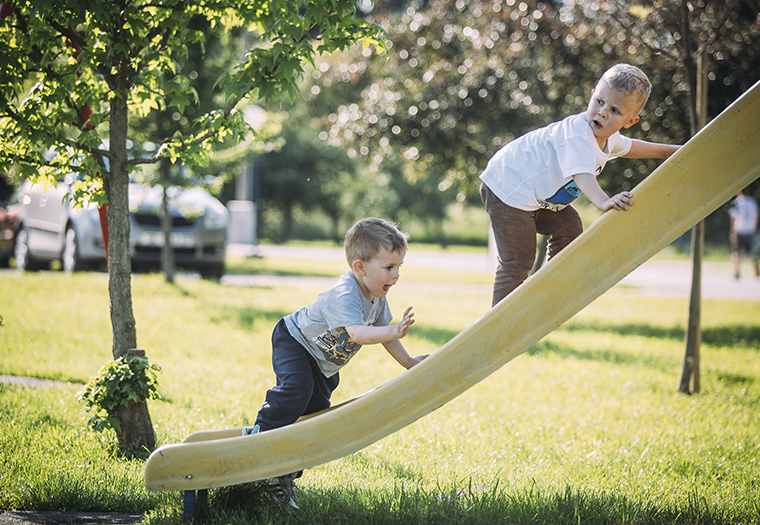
744, 219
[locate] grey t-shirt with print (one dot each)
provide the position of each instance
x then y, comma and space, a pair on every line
321, 326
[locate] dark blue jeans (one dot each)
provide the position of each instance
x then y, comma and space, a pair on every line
301, 387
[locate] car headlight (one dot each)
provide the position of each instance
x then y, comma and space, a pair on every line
215, 219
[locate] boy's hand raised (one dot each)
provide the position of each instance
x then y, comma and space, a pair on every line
403, 326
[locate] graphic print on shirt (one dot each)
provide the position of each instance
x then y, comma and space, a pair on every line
562, 198
337, 346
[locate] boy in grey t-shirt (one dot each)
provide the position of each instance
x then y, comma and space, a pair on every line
311, 345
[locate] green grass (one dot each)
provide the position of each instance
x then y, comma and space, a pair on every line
585, 427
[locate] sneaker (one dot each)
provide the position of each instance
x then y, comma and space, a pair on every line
247, 431
282, 491
281, 488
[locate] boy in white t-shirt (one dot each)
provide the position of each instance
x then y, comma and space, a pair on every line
529, 184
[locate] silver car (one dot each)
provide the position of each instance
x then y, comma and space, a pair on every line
51, 229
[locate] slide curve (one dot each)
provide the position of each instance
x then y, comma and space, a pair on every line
712, 167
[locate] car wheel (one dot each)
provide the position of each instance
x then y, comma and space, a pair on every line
212, 271
70, 261
24, 260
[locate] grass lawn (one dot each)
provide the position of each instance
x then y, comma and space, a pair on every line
585, 427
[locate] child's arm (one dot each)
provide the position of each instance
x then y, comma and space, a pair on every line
389, 337
641, 149
591, 189
371, 335
399, 353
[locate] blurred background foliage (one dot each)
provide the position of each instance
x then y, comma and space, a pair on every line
406, 135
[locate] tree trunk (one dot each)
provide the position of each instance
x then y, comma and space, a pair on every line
136, 427
698, 105
167, 252
136, 432
690, 369
287, 222
119, 263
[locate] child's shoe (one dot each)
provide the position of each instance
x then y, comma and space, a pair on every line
247, 431
281, 488
282, 491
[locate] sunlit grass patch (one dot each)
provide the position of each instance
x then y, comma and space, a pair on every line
586, 426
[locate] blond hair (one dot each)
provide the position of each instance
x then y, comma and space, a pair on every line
368, 236
630, 80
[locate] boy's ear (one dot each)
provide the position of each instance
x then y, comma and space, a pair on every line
358, 267
631, 122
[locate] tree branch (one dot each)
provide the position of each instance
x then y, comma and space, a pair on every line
185, 146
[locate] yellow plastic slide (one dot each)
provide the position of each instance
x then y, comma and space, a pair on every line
722, 159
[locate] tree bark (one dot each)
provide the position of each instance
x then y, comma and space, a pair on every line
119, 263
690, 370
167, 251
287, 222
136, 432
136, 426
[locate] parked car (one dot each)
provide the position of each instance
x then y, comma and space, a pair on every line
51, 229
8, 227
199, 228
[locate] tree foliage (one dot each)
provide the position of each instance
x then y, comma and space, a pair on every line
73, 73
463, 78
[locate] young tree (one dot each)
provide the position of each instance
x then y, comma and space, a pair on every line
707, 40
72, 72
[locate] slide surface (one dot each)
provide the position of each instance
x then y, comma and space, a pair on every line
719, 161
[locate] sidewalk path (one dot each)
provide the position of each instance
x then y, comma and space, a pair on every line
662, 278
44, 517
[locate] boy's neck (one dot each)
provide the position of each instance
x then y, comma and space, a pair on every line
362, 287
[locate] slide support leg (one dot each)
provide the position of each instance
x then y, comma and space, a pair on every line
189, 503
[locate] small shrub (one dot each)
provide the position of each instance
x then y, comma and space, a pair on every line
129, 379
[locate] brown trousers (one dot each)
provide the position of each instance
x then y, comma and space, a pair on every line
515, 234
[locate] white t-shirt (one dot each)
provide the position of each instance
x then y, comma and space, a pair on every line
321, 326
744, 213
535, 170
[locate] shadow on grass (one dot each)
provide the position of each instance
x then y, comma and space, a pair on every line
730, 336
609, 355
249, 318
440, 336
463, 505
